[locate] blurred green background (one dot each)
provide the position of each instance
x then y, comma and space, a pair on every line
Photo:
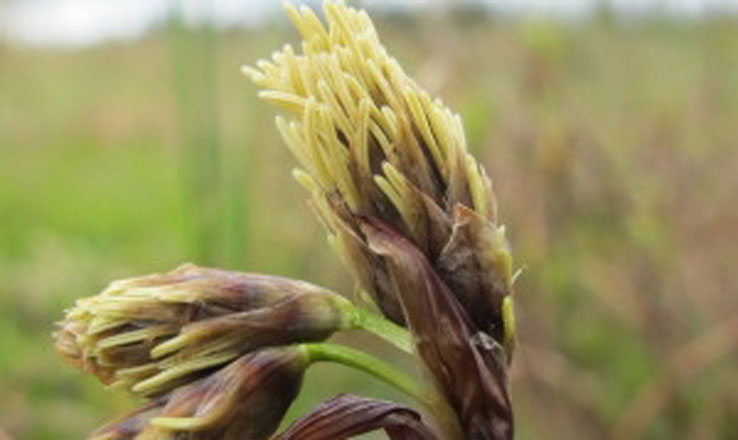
612, 143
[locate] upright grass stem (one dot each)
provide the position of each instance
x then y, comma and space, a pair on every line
194, 76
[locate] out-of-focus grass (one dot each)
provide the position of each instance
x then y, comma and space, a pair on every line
613, 150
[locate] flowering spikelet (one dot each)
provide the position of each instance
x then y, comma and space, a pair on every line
372, 143
153, 333
406, 207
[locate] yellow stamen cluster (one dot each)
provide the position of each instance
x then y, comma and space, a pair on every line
364, 124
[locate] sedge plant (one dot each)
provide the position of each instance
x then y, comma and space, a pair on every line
221, 355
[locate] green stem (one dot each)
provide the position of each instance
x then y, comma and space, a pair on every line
428, 397
369, 364
360, 319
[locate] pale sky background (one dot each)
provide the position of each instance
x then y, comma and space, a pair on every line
84, 22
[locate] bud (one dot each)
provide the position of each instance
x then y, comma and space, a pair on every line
153, 333
245, 400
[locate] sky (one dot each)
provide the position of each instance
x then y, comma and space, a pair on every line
85, 22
